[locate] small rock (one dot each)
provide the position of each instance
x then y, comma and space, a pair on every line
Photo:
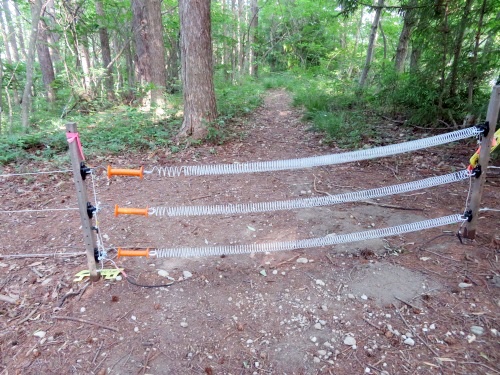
82, 309
494, 332
409, 341
162, 273
322, 352
263, 273
432, 326
302, 260
118, 278
275, 272
464, 285
136, 329
350, 296
256, 364
349, 340
40, 334
184, 324
314, 339
477, 330
187, 274
364, 297
316, 360
324, 307
320, 282
317, 326
249, 341
322, 322
367, 370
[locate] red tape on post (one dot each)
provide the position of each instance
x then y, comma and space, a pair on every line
72, 137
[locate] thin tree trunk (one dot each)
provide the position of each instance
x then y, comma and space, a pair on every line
197, 68
355, 48
384, 40
20, 33
36, 9
409, 21
156, 52
371, 44
84, 57
45, 61
105, 51
444, 58
11, 31
473, 76
458, 47
253, 37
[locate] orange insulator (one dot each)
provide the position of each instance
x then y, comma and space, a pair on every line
130, 211
133, 253
126, 172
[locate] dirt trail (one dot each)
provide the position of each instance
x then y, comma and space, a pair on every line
386, 306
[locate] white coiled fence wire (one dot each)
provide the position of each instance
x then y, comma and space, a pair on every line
307, 243
243, 208
316, 161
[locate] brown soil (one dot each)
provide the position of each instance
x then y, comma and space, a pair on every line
257, 313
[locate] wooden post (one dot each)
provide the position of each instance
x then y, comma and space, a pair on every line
81, 193
484, 158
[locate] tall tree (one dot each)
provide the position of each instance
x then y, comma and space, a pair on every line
45, 61
457, 49
156, 52
105, 51
149, 47
11, 31
409, 22
371, 43
197, 68
253, 37
36, 9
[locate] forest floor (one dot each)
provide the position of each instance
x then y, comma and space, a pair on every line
419, 303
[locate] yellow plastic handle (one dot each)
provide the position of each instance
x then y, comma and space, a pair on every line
133, 253
130, 211
125, 172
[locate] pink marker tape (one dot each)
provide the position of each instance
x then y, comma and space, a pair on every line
71, 137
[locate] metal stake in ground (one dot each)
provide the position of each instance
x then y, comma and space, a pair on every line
484, 158
81, 193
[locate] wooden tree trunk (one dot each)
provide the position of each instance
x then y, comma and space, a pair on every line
173, 59
355, 48
53, 37
458, 47
20, 35
197, 68
473, 75
156, 49
409, 21
36, 8
8, 56
45, 61
84, 57
141, 58
253, 37
11, 31
105, 52
371, 44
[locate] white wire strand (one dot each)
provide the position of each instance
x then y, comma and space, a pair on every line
39, 210
34, 173
316, 161
100, 243
230, 209
328, 240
